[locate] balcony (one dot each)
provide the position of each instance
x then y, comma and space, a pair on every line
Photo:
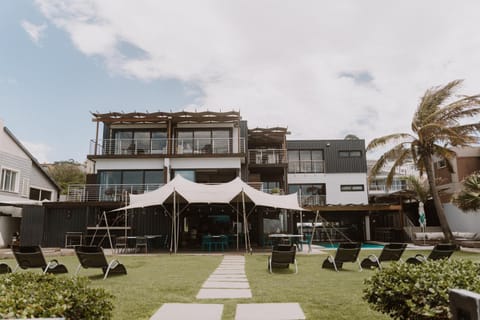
307, 166
110, 192
193, 147
312, 200
379, 187
267, 156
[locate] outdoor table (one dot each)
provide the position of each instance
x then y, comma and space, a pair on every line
291, 238
154, 240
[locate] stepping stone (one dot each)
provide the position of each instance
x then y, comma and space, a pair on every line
225, 285
227, 279
269, 311
224, 293
188, 311
228, 272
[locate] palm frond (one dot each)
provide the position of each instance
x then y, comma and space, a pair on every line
469, 198
391, 138
421, 189
403, 154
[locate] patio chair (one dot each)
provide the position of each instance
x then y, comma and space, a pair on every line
121, 244
390, 252
346, 252
141, 242
94, 257
32, 257
5, 268
307, 240
282, 259
440, 251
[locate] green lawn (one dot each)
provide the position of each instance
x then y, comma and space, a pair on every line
156, 279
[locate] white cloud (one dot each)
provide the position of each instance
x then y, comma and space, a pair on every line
324, 69
38, 150
35, 32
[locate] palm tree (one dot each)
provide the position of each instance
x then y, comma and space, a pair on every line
419, 187
469, 198
436, 127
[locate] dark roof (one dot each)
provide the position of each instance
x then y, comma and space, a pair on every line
34, 160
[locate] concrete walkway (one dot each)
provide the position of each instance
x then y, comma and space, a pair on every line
228, 281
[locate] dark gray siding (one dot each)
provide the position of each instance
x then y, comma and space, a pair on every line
31, 228
331, 149
58, 221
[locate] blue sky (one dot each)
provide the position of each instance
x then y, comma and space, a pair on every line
48, 90
322, 69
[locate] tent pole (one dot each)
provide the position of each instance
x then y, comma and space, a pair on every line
313, 232
174, 222
108, 230
245, 227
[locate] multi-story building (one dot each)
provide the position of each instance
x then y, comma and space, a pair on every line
449, 182
23, 185
137, 152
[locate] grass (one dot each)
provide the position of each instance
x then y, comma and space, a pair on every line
156, 279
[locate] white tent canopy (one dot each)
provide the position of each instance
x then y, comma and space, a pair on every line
182, 190
192, 192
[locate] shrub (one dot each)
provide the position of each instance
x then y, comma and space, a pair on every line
34, 295
409, 291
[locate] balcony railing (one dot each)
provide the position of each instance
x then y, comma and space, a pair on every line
307, 166
190, 146
397, 185
267, 156
312, 200
110, 192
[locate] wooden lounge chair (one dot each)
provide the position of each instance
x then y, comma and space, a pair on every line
5, 268
32, 257
390, 252
440, 251
282, 258
346, 252
93, 257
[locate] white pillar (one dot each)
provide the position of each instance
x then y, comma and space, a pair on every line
367, 228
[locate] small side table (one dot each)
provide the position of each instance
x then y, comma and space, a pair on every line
73, 239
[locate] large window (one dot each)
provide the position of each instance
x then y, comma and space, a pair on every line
131, 181
9, 180
40, 194
305, 161
310, 194
203, 141
140, 142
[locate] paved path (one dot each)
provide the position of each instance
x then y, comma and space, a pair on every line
228, 281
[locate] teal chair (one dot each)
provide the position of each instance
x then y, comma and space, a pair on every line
307, 237
207, 242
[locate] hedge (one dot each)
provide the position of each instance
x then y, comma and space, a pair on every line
409, 291
34, 295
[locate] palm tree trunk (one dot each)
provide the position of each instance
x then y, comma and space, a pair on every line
436, 199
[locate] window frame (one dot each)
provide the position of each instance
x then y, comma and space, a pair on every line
16, 180
352, 187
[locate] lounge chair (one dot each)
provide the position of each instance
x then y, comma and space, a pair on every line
93, 257
5, 268
390, 252
346, 252
440, 251
282, 258
32, 257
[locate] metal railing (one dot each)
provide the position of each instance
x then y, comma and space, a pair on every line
103, 192
306, 166
178, 146
313, 200
267, 156
273, 191
397, 185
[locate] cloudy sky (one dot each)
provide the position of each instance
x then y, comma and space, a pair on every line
324, 69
